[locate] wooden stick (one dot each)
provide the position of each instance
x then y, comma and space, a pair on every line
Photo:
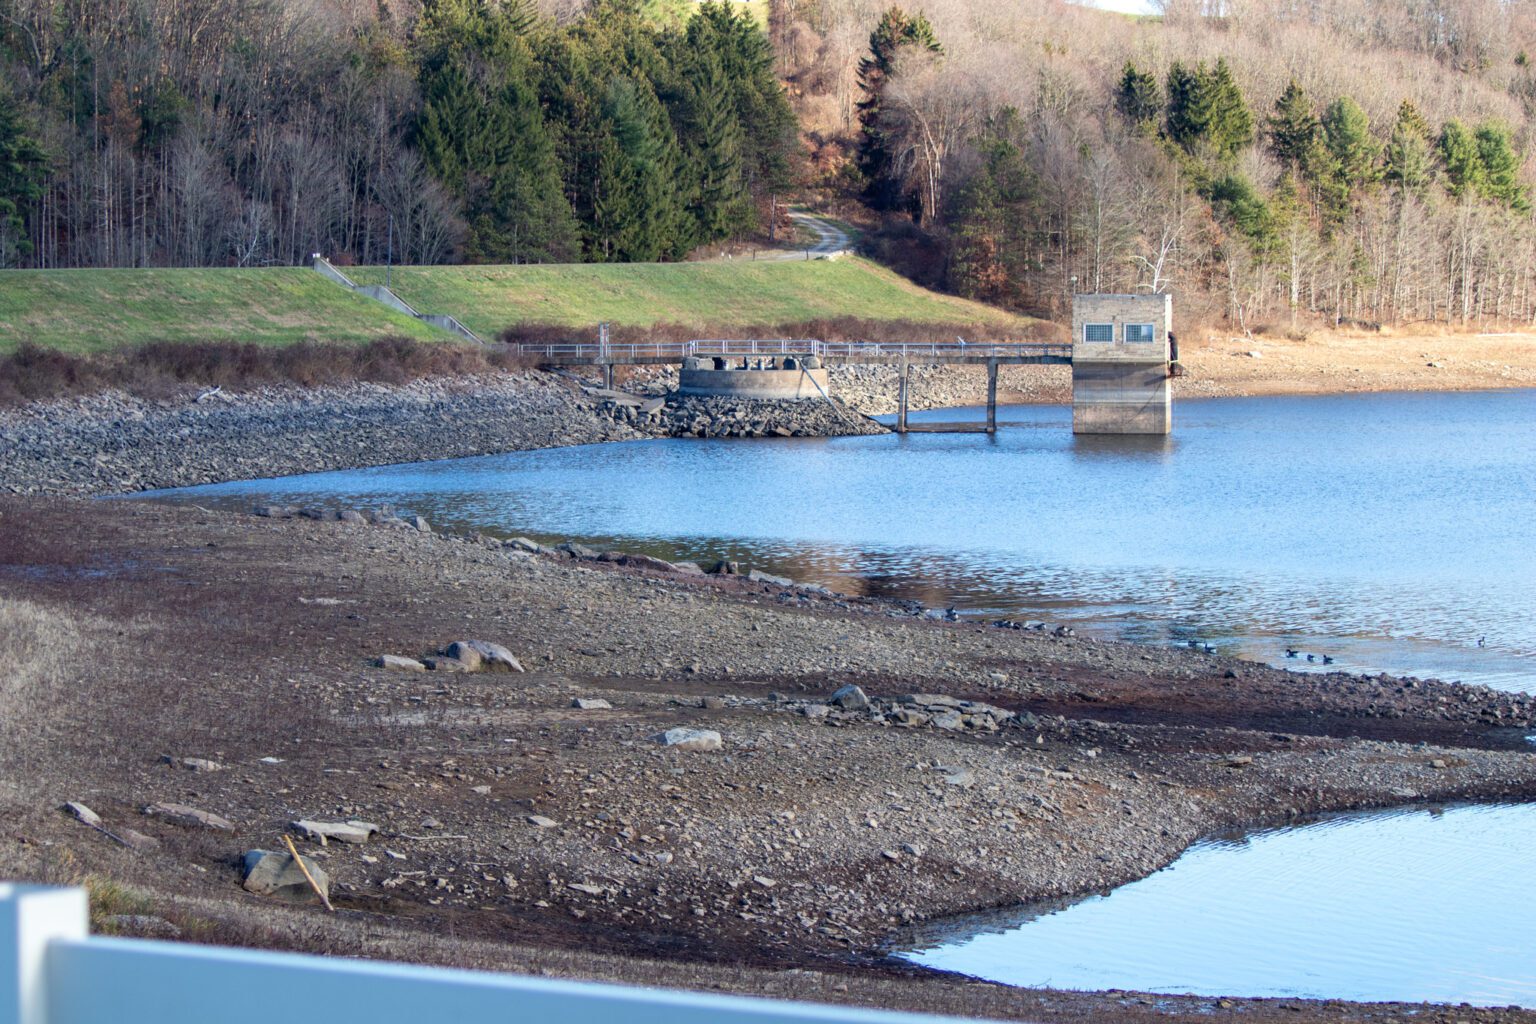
307, 876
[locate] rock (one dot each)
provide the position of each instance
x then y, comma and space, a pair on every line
82, 813
712, 703
850, 698
950, 721
351, 515
446, 665
962, 777
1240, 761
700, 740
350, 831
930, 700
193, 764
494, 657
420, 524
762, 577
181, 814
578, 550
688, 568
591, 704
588, 888
816, 712
463, 651
399, 664
480, 790
652, 405
533, 547
278, 875
539, 821
646, 562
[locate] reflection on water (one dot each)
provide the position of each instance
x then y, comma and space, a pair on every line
1358, 906
1390, 532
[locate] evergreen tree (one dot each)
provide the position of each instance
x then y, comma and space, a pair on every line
1206, 111
1139, 98
1409, 162
895, 32
481, 131
1356, 153
1500, 180
638, 213
712, 143
766, 124
1235, 198
1295, 134
23, 168
1463, 163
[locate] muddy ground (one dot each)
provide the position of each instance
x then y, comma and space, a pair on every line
519, 832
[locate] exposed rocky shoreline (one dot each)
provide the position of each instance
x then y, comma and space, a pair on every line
874, 769
116, 443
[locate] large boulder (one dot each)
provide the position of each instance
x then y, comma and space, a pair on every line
399, 664
851, 698
494, 657
278, 875
699, 740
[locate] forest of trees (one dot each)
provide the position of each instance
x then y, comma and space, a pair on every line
1270, 161
252, 132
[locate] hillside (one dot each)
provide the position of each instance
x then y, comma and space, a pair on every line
490, 299
83, 311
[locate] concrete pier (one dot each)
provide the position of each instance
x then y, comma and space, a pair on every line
1120, 364
800, 378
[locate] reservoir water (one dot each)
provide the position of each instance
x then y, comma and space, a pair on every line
1389, 532
1355, 907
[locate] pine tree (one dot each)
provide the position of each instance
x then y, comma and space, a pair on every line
1206, 110
895, 32
1356, 153
1500, 179
1139, 98
1295, 133
481, 131
1463, 163
712, 145
23, 168
1409, 163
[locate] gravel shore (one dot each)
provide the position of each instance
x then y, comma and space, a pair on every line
526, 814
116, 443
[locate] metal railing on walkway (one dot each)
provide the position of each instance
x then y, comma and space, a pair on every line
677, 351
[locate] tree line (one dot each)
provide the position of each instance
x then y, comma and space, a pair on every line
255, 132
1203, 154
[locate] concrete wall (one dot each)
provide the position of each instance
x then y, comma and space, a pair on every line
1121, 387
753, 383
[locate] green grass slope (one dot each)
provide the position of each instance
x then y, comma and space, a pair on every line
488, 299
82, 311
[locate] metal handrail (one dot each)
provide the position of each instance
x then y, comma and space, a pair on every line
785, 346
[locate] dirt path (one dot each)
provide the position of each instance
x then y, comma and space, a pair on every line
519, 832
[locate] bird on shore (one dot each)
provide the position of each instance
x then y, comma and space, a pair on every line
1311, 657
1209, 649
1291, 652
1327, 659
1193, 643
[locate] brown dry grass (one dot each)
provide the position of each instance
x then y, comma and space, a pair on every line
35, 373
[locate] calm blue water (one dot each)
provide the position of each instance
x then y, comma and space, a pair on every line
1352, 907
1390, 532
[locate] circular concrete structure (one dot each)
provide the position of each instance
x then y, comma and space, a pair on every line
799, 383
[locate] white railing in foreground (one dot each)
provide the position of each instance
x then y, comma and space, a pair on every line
53, 972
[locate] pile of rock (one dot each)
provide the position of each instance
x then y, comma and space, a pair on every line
713, 416
459, 656
872, 390
851, 704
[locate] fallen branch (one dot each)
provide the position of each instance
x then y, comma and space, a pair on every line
307, 876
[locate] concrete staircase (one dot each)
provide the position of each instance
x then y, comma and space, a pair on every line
379, 293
